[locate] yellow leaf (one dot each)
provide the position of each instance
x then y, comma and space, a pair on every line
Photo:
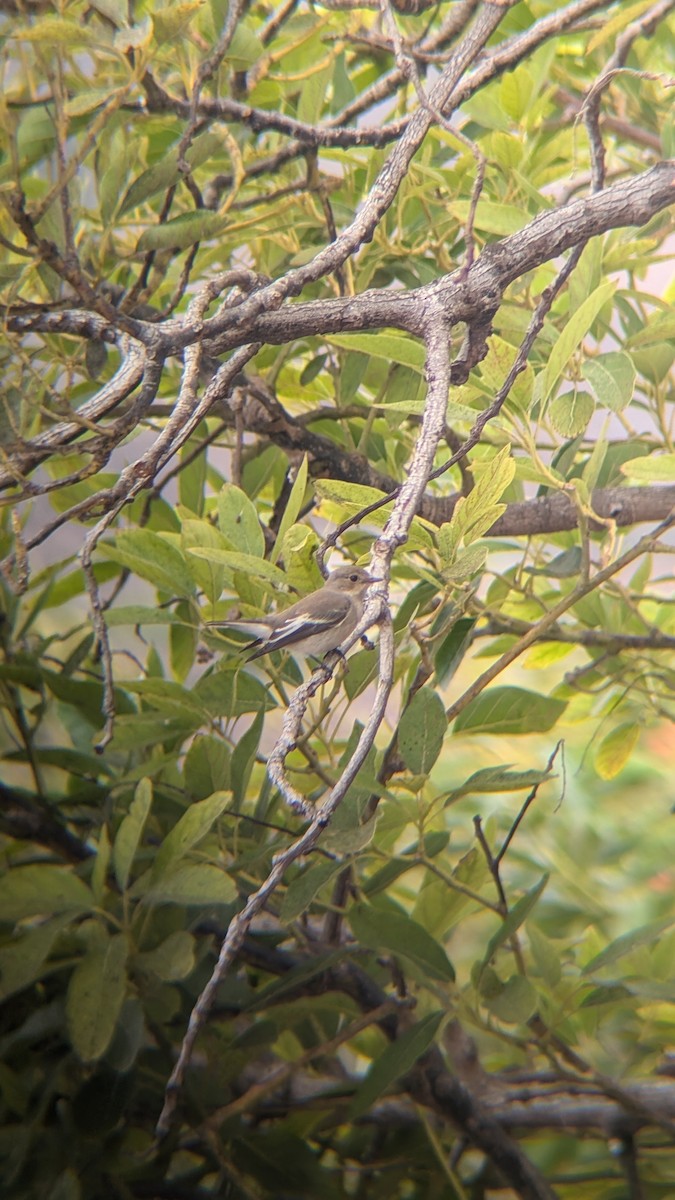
615, 750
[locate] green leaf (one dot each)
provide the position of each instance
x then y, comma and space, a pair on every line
143, 730
207, 766
87, 102
314, 368
207, 574
362, 671
520, 911
231, 693
388, 874
117, 11
66, 1187
55, 31
130, 833
171, 21
397, 1059
238, 521
612, 377
192, 478
100, 871
471, 561
498, 779
657, 468
570, 413
151, 557
564, 566
476, 513
293, 506
615, 750
510, 710
164, 173
171, 698
95, 996
86, 695
194, 883
270, 993
22, 961
392, 347
404, 391
41, 888
350, 498
593, 467
312, 96
351, 838
128, 1040
302, 891
546, 955
173, 959
499, 219
644, 935
516, 90
660, 327
247, 563
515, 1003
495, 368
140, 614
194, 825
246, 47
395, 933
183, 639
181, 232
576, 328
439, 907
243, 758
421, 730
612, 993
299, 554
73, 761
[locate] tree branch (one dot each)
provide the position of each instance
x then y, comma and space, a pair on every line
463, 297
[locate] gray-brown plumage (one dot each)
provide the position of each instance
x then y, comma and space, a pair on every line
312, 626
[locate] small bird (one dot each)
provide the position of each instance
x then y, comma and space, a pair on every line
312, 626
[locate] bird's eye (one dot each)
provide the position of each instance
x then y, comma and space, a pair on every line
353, 578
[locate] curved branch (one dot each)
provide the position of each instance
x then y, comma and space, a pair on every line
27, 455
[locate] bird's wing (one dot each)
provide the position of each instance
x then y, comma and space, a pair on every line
300, 625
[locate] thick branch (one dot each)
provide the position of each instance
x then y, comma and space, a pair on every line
29, 818
463, 297
556, 512
458, 297
584, 1113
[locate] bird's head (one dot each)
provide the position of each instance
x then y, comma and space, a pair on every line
350, 579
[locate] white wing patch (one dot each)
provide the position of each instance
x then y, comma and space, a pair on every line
304, 625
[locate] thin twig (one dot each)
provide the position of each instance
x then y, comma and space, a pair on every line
530, 798
643, 546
